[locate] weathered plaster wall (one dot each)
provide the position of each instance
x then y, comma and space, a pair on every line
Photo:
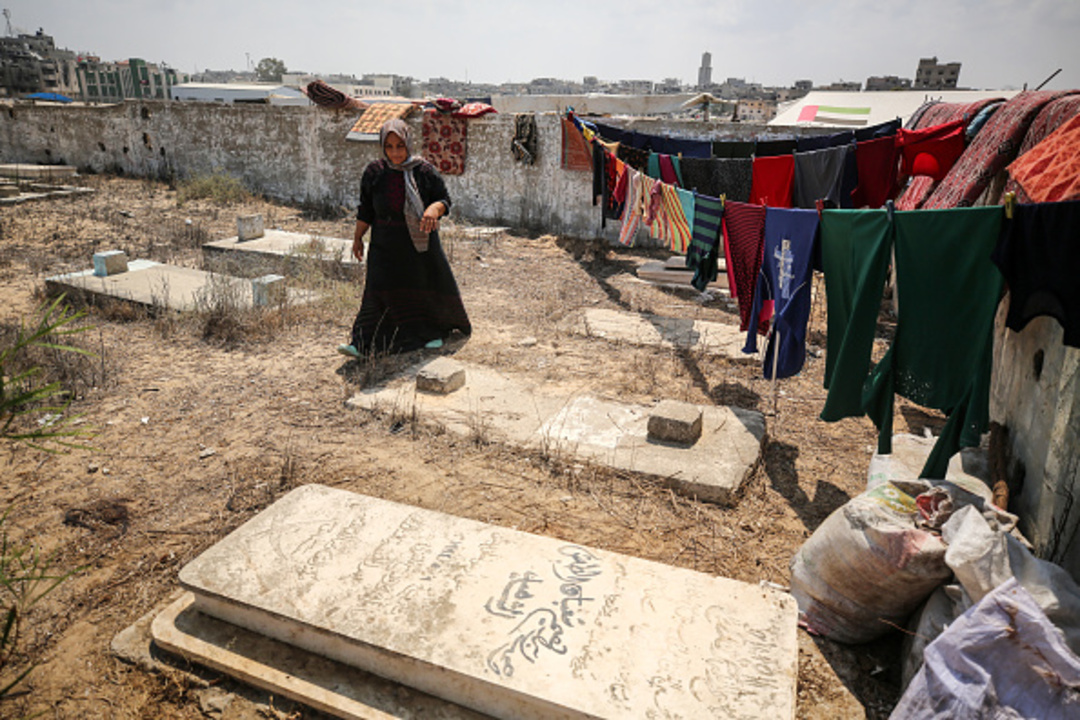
1035, 392
299, 154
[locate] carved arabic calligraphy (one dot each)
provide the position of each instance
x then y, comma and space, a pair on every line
541, 628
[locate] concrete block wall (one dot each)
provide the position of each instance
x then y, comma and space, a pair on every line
1035, 392
299, 154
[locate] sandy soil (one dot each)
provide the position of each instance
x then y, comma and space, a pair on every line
201, 421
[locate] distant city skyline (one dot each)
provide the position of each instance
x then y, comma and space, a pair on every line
1001, 43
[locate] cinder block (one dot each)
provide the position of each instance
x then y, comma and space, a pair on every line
441, 375
677, 422
110, 262
249, 227
268, 290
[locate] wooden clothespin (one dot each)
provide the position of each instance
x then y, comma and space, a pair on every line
820, 205
1010, 204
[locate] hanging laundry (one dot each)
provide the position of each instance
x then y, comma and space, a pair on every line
718, 176
948, 291
930, 114
993, 148
874, 132
703, 255
856, 248
733, 149
772, 181
1053, 115
657, 143
877, 162
665, 168
932, 151
651, 202
444, 139
744, 243
821, 142
784, 278
672, 224
772, 148
636, 158
576, 153
1039, 256
829, 175
473, 110
1050, 171
614, 170
523, 145
633, 199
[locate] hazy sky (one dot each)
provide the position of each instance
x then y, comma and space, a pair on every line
1001, 43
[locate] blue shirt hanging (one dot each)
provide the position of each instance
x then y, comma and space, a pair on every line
786, 272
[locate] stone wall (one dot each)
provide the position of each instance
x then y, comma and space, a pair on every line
1035, 392
299, 154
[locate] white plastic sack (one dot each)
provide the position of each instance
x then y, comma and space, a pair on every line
867, 567
1001, 659
983, 557
939, 611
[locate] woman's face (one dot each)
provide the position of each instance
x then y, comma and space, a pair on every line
395, 149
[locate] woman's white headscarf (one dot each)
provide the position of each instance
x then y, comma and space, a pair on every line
414, 204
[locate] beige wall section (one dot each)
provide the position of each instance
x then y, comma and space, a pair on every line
1035, 392
298, 154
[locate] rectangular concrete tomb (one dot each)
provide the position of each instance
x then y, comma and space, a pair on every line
510, 624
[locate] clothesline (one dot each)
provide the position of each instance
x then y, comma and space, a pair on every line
949, 266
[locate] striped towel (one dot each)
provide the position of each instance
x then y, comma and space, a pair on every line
632, 208
703, 254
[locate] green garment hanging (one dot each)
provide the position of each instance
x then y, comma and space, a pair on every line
948, 291
855, 252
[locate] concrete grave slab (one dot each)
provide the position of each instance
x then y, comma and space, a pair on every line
287, 670
713, 338
24, 171
152, 284
658, 273
565, 421
37, 191
507, 623
277, 250
678, 264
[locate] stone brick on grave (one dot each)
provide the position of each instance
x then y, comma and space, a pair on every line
268, 290
249, 227
676, 422
442, 375
110, 262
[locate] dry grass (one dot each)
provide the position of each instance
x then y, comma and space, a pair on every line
265, 390
216, 187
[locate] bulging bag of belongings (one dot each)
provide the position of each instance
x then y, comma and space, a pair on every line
1001, 659
868, 566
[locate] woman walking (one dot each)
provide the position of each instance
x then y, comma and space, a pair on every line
411, 299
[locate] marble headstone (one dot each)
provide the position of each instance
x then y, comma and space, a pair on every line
507, 623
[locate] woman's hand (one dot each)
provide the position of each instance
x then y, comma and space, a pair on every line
358, 240
429, 221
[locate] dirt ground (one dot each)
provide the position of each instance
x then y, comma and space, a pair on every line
201, 421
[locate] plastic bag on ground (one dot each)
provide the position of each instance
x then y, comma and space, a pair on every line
1001, 659
984, 557
868, 566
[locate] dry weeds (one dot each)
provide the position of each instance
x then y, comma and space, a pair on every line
201, 427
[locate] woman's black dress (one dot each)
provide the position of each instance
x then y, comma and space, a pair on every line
410, 298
